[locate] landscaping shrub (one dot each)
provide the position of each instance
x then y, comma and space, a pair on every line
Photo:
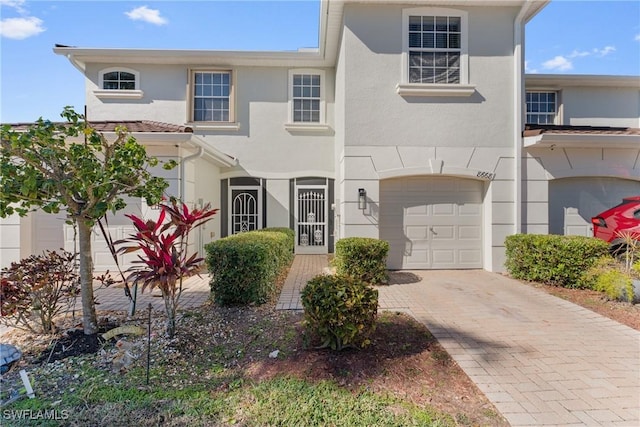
291, 235
590, 277
617, 285
340, 310
36, 289
244, 267
363, 258
553, 259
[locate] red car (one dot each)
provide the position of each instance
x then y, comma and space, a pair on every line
614, 224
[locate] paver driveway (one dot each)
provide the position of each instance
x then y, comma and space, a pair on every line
541, 360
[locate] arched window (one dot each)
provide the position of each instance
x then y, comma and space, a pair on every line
118, 82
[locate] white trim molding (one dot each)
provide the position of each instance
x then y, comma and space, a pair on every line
422, 89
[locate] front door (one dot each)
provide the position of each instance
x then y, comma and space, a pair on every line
245, 209
311, 219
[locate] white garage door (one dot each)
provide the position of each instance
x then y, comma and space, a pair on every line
432, 222
574, 201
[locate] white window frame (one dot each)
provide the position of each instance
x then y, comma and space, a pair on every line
118, 93
464, 88
307, 126
231, 124
556, 114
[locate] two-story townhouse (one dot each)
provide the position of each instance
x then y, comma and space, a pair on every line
405, 124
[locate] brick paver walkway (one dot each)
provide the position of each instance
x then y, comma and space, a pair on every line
304, 268
541, 360
196, 291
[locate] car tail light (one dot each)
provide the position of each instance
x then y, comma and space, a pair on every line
596, 220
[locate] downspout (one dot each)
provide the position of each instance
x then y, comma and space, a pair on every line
518, 81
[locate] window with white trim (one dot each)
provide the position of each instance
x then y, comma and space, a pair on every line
306, 100
118, 82
435, 49
435, 58
212, 96
542, 107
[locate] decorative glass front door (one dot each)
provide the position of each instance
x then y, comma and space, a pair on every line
311, 219
245, 210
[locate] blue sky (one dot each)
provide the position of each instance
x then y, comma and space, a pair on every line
575, 37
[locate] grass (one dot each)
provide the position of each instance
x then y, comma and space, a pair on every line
279, 401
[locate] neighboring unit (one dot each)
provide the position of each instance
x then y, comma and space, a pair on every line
412, 122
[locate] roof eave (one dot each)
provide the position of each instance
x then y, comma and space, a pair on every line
580, 80
550, 140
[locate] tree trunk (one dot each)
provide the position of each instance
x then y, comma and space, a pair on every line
89, 318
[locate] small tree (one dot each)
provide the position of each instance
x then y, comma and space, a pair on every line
71, 166
36, 289
165, 246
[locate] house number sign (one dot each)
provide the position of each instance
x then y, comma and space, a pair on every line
486, 175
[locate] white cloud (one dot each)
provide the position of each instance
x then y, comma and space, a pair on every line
604, 51
578, 53
559, 63
143, 13
16, 4
637, 38
21, 28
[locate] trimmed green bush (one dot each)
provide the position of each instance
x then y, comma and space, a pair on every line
291, 235
553, 259
363, 258
340, 310
244, 267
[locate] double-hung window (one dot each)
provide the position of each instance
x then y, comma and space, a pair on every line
212, 96
435, 53
542, 107
306, 100
435, 49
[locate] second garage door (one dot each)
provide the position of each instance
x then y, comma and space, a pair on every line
432, 222
573, 201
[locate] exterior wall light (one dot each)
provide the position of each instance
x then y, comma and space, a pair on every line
362, 198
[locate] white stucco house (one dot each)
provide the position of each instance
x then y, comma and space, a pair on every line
411, 122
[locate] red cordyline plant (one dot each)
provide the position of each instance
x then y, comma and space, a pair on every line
165, 260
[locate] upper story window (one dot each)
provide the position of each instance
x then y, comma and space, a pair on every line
212, 96
434, 49
119, 82
542, 107
435, 57
306, 100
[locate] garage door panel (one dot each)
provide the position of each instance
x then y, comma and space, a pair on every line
442, 209
469, 233
441, 232
470, 257
417, 232
574, 201
468, 209
430, 221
